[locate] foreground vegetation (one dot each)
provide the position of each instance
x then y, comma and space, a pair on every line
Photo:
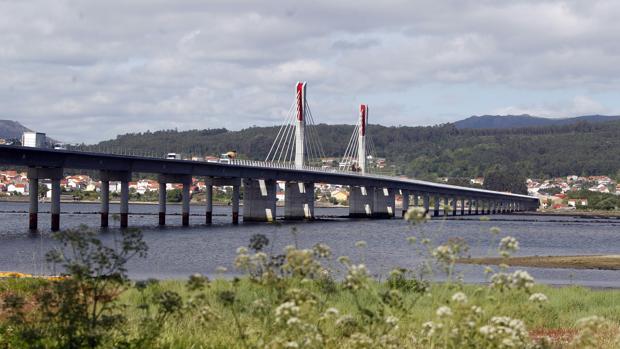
302, 298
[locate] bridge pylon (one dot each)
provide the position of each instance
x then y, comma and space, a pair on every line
300, 124
360, 147
297, 142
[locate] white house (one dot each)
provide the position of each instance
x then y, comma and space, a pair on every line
577, 202
18, 188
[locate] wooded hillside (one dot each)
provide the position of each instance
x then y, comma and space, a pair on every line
424, 152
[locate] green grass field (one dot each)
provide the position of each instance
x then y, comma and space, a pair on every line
211, 323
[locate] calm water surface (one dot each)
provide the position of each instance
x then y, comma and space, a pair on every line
176, 252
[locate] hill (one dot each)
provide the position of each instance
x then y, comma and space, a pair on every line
517, 121
10, 129
423, 152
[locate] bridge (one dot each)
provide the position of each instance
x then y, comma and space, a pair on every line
291, 159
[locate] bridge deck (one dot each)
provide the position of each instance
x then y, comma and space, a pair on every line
37, 157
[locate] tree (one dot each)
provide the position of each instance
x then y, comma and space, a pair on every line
43, 190
505, 179
174, 195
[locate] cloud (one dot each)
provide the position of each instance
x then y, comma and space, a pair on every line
85, 71
355, 44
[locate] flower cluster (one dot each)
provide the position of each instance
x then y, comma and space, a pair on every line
520, 280
416, 215
357, 277
538, 298
508, 245
444, 254
505, 332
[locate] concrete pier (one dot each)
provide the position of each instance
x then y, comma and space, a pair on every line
185, 208
186, 181
209, 201
235, 204
55, 207
477, 203
454, 201
372, 202
259, 200
462, 206
33, 192
211, 182
298, 201
446, 206
405, 200
34, 174
384, 203
162, 203
470, 203
117, 176
124, 204
361, 202
436, 208
105, 203
427, 203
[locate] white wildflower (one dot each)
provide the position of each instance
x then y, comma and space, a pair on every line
331, 312
444, 253
392, 321
495, 230
538, 298
508, 244
459, 297
444, 311
521, 279
293, 321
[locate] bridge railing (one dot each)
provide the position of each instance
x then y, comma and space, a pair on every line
291, 166
238, 162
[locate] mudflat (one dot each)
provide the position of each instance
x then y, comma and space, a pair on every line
605, 262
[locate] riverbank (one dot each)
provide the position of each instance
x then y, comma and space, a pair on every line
601, 262
573, 213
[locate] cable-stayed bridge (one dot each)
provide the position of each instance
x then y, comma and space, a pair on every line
295, 158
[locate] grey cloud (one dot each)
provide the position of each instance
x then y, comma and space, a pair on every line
68, 67
355, 45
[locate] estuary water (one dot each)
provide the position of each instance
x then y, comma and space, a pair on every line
176, 252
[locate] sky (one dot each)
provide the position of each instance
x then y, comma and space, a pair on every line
85, 71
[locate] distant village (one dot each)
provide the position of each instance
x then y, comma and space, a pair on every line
553, 193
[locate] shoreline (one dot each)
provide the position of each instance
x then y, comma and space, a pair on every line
572, 213
592, 262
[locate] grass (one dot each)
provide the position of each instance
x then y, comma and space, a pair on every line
217, 329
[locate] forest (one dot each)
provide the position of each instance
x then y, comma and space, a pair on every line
424, 152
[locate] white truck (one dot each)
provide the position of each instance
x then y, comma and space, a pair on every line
173, 156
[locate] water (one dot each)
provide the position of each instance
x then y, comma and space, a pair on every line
176, 252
